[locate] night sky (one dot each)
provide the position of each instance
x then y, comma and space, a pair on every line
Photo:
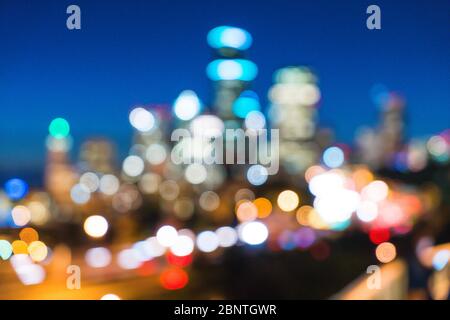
133, 52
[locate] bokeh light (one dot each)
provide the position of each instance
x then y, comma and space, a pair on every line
288, 200
59, 128
96, 226
386, 252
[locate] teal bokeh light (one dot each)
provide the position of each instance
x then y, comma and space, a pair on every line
232, 69
248, 101
229, 37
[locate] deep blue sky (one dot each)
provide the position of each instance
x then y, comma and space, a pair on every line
131, 52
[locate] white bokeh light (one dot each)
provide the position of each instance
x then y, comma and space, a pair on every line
253, 232
187, 105
141, 119
207, 241
166, 236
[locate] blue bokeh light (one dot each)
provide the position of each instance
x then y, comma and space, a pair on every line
232, 69
248, 101
16, 189
333, 157
229, 37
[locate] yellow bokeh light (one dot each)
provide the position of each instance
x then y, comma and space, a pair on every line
316, 222
96, 226
28, 235
39, 213
288, 200
19, 247
38, 251
362, 177
264, 207
303, 215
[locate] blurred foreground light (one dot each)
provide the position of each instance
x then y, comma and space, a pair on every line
196, 173
21, 215
253, 232
169, 190
232, 69
174, 279
304, 237
337, 206
257, 175
367, 211
207, 241
58, 145
439, 148
375, 191
38, 251
96, 226
227, 236
255, 120
133, 166
187, 105
142, 120
207, 126
143, 250
16, 189
333, 157
247, 102
5, 249
229, 37
156, 154
183, 246
128, 259
19, 247
154, 247
110, 296
28, 235
98, 257
209, 201
386, 252
326, 183
28, 272
440, 259
288, 200
90, 181
264, 207
109, 184
80, 194
59, 128
246, 211
149, 183
166, 236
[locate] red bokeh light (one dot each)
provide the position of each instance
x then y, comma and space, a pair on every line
179, 261
378, 236
174, 279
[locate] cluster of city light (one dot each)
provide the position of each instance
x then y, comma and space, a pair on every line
180, 243
26, 253
341, 192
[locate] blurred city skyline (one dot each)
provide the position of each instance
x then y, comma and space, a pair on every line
152, 51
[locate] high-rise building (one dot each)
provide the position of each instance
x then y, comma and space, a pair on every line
60, 175
97, 155
378, 147
294, 98
230, 71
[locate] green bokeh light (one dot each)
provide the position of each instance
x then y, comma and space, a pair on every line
59, 128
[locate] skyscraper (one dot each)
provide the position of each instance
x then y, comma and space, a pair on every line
294, 98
